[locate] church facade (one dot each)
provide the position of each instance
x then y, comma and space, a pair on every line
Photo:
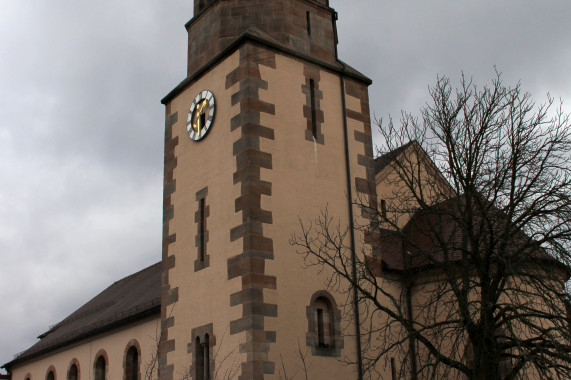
269, 128
269, 131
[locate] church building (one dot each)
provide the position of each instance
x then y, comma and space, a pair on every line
269, 128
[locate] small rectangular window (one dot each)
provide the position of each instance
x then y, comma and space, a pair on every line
308, 17
313, 110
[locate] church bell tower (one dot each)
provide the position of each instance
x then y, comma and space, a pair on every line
268, 128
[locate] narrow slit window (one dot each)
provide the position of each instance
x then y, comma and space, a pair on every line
199, 360
201, 229
320, 329
383, 208
308, 17
201, 237
313, 111
393, 369
206, 355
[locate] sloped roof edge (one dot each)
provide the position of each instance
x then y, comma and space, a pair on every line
256, 35
133, 298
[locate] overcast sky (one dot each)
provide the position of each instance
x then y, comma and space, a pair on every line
81, 124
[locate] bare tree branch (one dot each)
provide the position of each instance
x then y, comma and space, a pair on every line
464, 270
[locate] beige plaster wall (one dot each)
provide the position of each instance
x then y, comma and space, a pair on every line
306, 177
452, 344
394, 184
204, 295
379, 331
115, 345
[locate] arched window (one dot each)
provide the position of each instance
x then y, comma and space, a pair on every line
73, 371
51, 373
324, 331
202, 361
202, 358
100, 368
132, 364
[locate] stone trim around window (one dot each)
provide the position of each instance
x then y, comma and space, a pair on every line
336, 341
101, 353
312, 111
133, 343
51, 369
73, 362
201, 332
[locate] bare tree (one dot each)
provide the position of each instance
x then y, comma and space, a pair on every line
303, 364
151, 367
468, 253
226, 364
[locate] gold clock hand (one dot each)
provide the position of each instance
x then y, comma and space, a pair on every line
198, 114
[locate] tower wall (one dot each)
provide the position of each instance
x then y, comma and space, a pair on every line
194, 298
262, 169
274, 155
305, 26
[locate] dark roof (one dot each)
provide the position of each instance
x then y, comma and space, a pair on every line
419, 239
391, 250
256, 35
133, 298
383, 161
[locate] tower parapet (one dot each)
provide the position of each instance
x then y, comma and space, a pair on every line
305, 27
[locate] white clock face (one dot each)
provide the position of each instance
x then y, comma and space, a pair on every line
200, 115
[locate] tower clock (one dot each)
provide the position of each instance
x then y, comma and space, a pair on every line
201, 115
